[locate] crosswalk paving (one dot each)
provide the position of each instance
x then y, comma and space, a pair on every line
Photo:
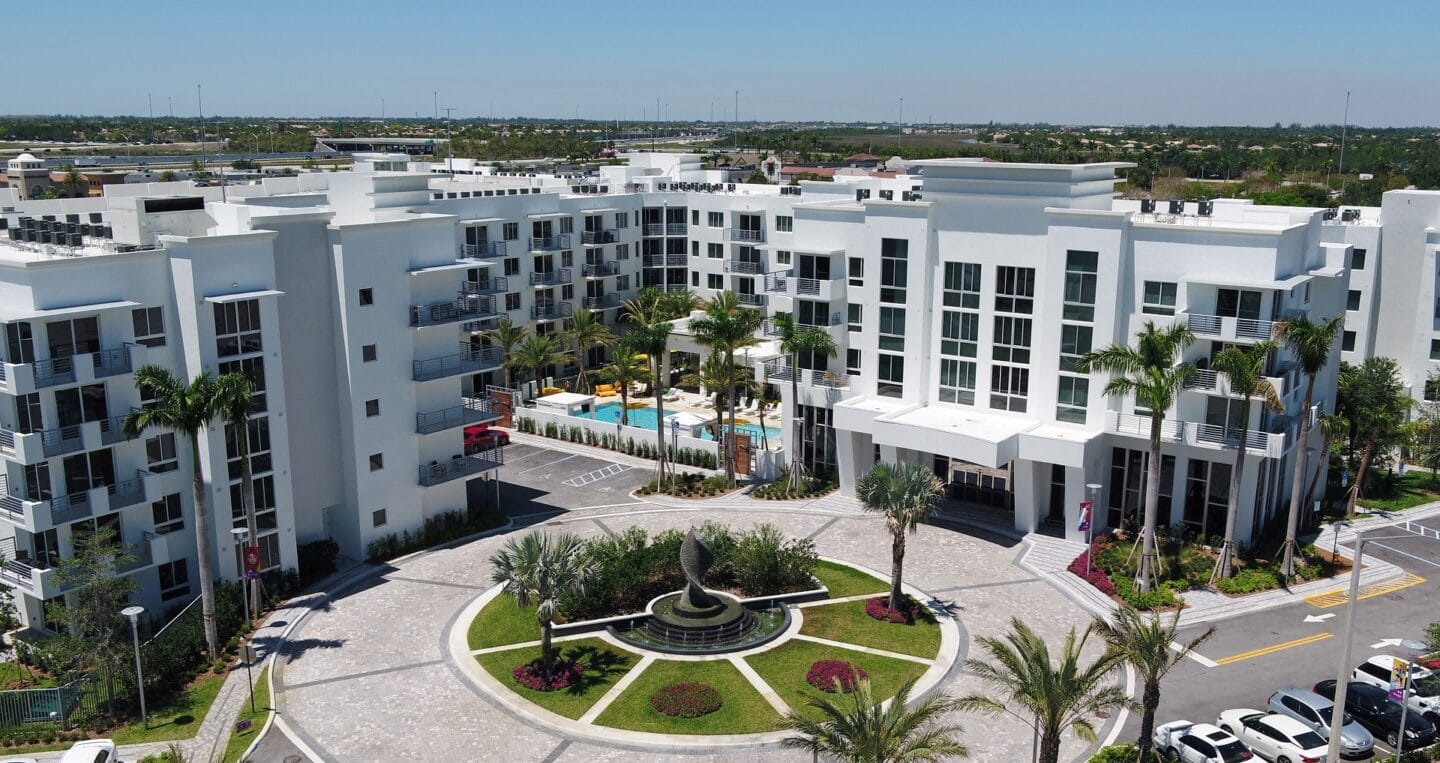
1340, 596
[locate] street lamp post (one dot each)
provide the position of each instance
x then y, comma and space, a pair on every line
1411, 647
241, 536
1094, 490
133, 613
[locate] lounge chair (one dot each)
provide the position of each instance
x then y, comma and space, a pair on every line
605, 390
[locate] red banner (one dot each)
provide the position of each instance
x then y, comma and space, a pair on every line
252, 561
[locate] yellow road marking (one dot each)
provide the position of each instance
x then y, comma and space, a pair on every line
1339, 596
1261, 652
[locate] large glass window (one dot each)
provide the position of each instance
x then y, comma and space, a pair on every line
149, 324
1159, 298
891, 375
1073, 399
1080, 279
237, 327
1011, 339
1075, 341
894, 270
1014, 289
962, 285
957, 381
1207, 497
892, 328
1009, 388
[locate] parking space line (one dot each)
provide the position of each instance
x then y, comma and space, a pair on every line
552, 463
581, 480
1339, 596
1194, 655
1262, 651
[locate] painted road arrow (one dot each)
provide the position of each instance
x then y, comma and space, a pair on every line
1386, 642
1319, 618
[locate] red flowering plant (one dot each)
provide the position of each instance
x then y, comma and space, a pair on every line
834, 676
879, 608
686, 699
531, 675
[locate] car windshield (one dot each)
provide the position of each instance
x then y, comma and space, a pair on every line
1428, 686
1309, 740
1233, 752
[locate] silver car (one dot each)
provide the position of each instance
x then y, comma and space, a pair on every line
1314, 711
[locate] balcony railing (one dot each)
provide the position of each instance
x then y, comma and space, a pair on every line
483, 251
829, 379
462, 466
777, 283
465, 308
602, 269
491, 285
68, 508
126, 493
551, 312
653, 229
474, 410
551, 277
112, 430
778, 368
1203, 379
743, 266
1225, 327
597, 237
751, 300
12, 505
602, 302
62, 440
112, 362
819, 320
140, 554
550, 243
470, 360
664, 260
746, 235
1212, 435
665, 229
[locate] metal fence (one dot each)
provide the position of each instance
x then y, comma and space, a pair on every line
66, 705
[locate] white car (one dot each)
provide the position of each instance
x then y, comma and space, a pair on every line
1274, 737
1423, 694
1198, 743
92, 751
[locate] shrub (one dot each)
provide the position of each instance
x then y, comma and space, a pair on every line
1249, 580
1120, 753
438, 529
1155, 598
834, 676
531, 675
317, 558
879, 608
686, 699
1096, 576
689, 485
765, 562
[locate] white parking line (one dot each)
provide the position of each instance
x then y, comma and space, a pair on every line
609, 470
1196, 656
552, 463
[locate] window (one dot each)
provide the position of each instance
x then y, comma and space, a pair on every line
160, 453
1074, 342
622, 283
715, 251
567, 291
257, 441
1352, 300
1012, 339
695, 278
891, 375
1347, 342
622, 220
857, 271
852, 362
782, 257
237, 327
695, 217
856, 313
372, 408
959, 333
622, 251
1080, 279
254, 369
1207, 496
510, 231
167, 514
1159, 298
567, 225
174, 579
367, 296
894, 270
714, 281
962, 285
1357, 259
1074, 396
892, 328
512, 266
378, 518
694, 248
784, 223
149, 326
367, 353
567, 259
264, 489
377, 461
957, 381
1014, 289
512, 300
1009, 386
715, 219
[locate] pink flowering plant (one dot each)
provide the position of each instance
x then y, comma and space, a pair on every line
834, 676
686, 699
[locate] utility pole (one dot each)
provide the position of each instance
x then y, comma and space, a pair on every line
150, 101
1343, 127
449, 145
735, 121
435, 96
900, 126
382, 109
171, 101
200, 107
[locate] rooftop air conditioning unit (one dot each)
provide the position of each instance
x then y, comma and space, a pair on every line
1328, 214
1206, 208
729, 186
887, 195
1177, 207
1147, 206
1349, 215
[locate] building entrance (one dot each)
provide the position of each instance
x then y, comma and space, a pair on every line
980, 485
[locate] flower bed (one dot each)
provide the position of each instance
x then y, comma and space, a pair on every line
1084, 568
686, 700
834, 676
879, 608
531, 675
688, 485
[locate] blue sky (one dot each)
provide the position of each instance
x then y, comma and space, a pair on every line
1187, 62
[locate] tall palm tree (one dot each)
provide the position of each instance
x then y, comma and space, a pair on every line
794, 340
905, 495
726, 327
711, 376
1310, 342
858, 728
624, 371
1144, 643
653, 339
679, 304
234, 394
1046, 696
584, 330
540, 570
507, 335
644, 307
1150, 371
1245, 368
538, 353
186, 409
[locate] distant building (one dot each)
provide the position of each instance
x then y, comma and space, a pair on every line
28, 175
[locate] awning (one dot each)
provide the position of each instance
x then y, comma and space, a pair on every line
239, 296
26, 314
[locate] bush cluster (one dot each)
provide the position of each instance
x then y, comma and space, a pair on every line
834, 676
532, 675
1156, 598
24, 737
688, 485
686, 699
879, 608
1120, 753
1096, 576
317, 559
438, 529
700, 457
782, 490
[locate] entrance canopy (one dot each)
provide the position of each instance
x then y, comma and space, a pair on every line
982, 438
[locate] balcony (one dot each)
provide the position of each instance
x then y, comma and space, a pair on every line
1270, 444
440, 472
38, 581
778, 282
743, 266
819, 321
465, 308
601, 269
69, 369
597, 237
15, 507
665, 229
664, 260
470, 360
778, 369
474, 410
602, 302
112, 430
491, 285
550, 243
1229, 329
62, 440
126, 493
1207, 380
69, 508
483, 251
751, 300
824, 289
653, 229
745, 235
112, 362
551, 312
551, 277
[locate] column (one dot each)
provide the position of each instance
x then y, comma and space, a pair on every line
1027, 507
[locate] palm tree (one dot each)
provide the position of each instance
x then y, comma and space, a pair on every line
794, 340
727, 326
905, 495
1245, 368
1310, 342
1332, 428
1046, 696
679, 303
538, 353
711, 376
186, 409
860, 729
583, 332
540, 570
507, 335
1145, 644
624, 371
234, 394
73, 182
644, 307
652, 339
1151, 372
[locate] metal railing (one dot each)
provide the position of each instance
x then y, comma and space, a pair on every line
597, 237
664, 260
653, 229
778, 368
12, 505
61, 440
778, 282
53, 371
112, 430
112, 362
1203, 378
469, 360
819, 320
829, 379
550, 243
551, 277
602, 302
551, 312
441, 472
676, 229
743, 266
1196, 433
126, 493
812, 286
474, 410
1214, 325
601, 269
745, 234
490, 285
68, 508
752, 300
465, 308
483, 251
1254, 328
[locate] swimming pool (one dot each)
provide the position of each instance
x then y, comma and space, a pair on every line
645, 419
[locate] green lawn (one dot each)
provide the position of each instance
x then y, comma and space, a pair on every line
1394, 493
14, 673
843, 580
502, 622
177, 718
607, 665
784, 668
744, 711
848, 622
241, 740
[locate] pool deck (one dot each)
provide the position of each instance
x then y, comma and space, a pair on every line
690, 402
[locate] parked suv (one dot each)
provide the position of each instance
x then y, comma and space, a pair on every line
1314, 711
1423, 694
1198, 743
1373, 708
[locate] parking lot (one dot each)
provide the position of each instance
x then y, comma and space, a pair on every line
1249, 657
537, 483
